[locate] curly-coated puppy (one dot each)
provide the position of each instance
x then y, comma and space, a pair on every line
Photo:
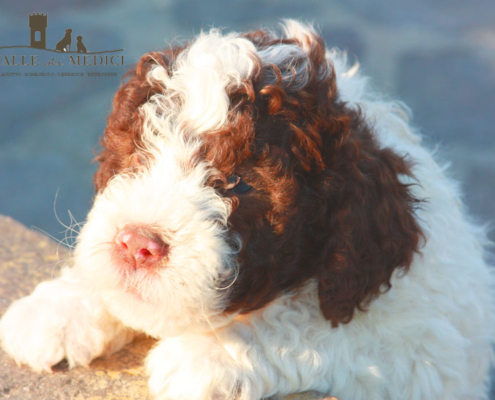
278, 228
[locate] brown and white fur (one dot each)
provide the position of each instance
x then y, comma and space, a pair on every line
278, 227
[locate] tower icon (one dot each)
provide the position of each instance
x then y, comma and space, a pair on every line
38, 23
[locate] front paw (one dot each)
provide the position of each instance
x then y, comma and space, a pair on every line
31, 336
199, 368
57, 321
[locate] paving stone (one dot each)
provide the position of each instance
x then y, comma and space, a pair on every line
28, 257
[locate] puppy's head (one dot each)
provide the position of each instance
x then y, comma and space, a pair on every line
232, 173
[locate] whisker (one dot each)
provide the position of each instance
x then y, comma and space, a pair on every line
59, 241
209, 323
231, 283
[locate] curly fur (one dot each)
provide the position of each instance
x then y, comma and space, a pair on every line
349, 268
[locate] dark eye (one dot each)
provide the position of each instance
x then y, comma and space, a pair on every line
237, 185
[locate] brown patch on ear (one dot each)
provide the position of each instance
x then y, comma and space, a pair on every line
371, 223
328, 203
122, 135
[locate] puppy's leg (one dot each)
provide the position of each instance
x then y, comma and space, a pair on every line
60, 319
194, 367
283, 350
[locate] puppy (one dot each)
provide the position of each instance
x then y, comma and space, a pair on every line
65, 43
278, 228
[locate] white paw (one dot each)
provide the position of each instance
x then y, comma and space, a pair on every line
59, 321
198, 368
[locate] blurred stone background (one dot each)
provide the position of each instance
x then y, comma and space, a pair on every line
438, 56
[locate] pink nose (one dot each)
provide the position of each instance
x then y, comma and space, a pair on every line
140, 247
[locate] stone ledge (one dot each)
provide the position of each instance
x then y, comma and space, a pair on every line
28, 257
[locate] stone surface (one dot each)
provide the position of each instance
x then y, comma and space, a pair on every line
28, 257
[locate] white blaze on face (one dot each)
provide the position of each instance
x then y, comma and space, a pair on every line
195, 94
171, 195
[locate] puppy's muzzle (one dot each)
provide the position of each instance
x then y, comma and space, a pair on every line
140, 247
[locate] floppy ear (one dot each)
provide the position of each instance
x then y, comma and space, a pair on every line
357, 213
370, 222
122, 135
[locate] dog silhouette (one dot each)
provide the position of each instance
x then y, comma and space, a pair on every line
81, 48
65, 42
